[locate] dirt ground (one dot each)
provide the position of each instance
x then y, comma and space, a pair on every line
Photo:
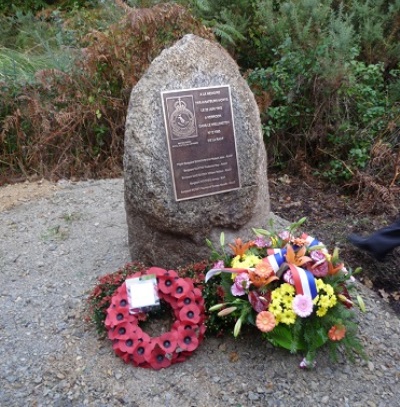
12, 195
331, 217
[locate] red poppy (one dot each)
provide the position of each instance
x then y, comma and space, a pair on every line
198, 295
181, 288
128, 345
172, 273
168, 341
187, 299
157, 271
187, 339
156, 357
176, 324
191, 313
120, 294
138, 355
202, 331
166, 283
142, 336
116, 315
121, 331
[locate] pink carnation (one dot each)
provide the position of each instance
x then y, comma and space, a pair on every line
241, 283
288, 277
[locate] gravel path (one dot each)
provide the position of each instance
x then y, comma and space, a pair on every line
51, 251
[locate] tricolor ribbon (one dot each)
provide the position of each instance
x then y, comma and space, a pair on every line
312, 241
304, 281
276, 258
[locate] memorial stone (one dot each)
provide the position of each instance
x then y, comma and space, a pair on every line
194, 161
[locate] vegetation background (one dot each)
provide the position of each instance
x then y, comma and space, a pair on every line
325, 73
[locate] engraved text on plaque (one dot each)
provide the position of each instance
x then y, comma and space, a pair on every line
201, 141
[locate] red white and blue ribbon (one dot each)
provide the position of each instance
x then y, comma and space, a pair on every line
312, 241
304, 281
276, 258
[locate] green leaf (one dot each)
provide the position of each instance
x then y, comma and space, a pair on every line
261, 232
222, 239
238, 326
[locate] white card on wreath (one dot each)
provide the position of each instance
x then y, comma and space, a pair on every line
142, 293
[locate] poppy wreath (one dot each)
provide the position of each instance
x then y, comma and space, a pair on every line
135, 346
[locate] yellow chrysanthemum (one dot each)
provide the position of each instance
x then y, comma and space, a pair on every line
287, 289
275, 308
332, 301
275, 295
321, 312
329, 289
276, 301
287, 301
324, 301
243, 262
288, 317
253, 260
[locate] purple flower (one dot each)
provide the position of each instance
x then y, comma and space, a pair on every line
302, 305
261, 242
219, 264
241, 283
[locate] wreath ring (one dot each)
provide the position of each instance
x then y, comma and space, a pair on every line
135, 346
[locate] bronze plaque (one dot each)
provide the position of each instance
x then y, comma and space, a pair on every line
201, 141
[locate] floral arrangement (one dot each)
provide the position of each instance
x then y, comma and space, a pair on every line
292, 289
134, 345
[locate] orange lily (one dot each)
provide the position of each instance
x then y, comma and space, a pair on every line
259, 281
262, 275
240, 248
334, 269
297, 258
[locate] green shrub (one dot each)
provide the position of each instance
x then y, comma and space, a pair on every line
328, 99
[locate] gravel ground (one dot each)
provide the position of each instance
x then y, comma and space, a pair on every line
51, 251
